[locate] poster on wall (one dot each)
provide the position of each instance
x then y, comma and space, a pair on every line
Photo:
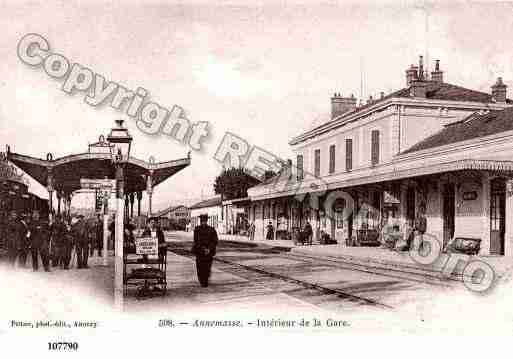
390, 198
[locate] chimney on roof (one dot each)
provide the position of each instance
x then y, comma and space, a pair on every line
437, 75
381, 95
341, 105
411, 75
418, 85
421, 69
499, 91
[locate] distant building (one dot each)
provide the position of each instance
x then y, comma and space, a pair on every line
236, 215
211, 207
178, 216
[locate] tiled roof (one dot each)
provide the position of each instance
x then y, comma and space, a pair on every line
449, 92
474, 126
435, 90
211, 202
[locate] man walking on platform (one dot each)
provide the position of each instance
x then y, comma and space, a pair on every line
39, 235
204, 248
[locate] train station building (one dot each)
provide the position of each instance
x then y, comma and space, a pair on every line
432, 146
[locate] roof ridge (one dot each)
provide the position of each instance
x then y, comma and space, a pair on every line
465, 88
444, 91
355, 110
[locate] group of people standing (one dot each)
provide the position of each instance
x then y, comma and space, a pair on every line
54, 241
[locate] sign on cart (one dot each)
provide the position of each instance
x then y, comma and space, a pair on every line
146, 245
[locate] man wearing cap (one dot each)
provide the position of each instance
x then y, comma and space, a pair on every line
204, 248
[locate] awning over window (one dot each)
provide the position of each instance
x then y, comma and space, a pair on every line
385, 173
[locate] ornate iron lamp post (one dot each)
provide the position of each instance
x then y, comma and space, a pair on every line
121, 143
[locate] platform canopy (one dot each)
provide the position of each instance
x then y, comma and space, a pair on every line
64, 174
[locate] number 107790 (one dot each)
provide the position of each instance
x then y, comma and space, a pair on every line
63, 346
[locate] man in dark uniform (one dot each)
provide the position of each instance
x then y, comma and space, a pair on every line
57, 229
39, 235
270, 231
91, 235
67, 245
82, 242
3, 231
24, 247
204, 248
16, 237
99, 235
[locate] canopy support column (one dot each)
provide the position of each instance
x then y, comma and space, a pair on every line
118, 236
132, 197
68, 205
59, 197
49, 187
139, 197
105, 211
149, 190
127, 201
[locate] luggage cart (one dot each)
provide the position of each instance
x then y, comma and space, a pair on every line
147, 273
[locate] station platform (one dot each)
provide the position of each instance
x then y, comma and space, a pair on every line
384, 258
381, 258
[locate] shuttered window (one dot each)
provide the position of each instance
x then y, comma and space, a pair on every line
317, 164
375, 148
299, 167
332, 158
349, 154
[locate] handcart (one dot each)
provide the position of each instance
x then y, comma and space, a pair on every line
145, 268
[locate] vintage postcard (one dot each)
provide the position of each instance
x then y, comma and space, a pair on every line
309, 175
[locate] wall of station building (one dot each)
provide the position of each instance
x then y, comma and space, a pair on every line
471, 203
400, 127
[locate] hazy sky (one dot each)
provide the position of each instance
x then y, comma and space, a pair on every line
265, 72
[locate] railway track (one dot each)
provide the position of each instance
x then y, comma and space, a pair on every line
431, 277
389, 271
285, 278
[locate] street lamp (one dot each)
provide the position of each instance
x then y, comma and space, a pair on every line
121, 142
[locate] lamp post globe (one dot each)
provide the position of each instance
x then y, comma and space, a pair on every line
121, 141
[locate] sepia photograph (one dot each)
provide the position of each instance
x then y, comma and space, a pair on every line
322, 172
